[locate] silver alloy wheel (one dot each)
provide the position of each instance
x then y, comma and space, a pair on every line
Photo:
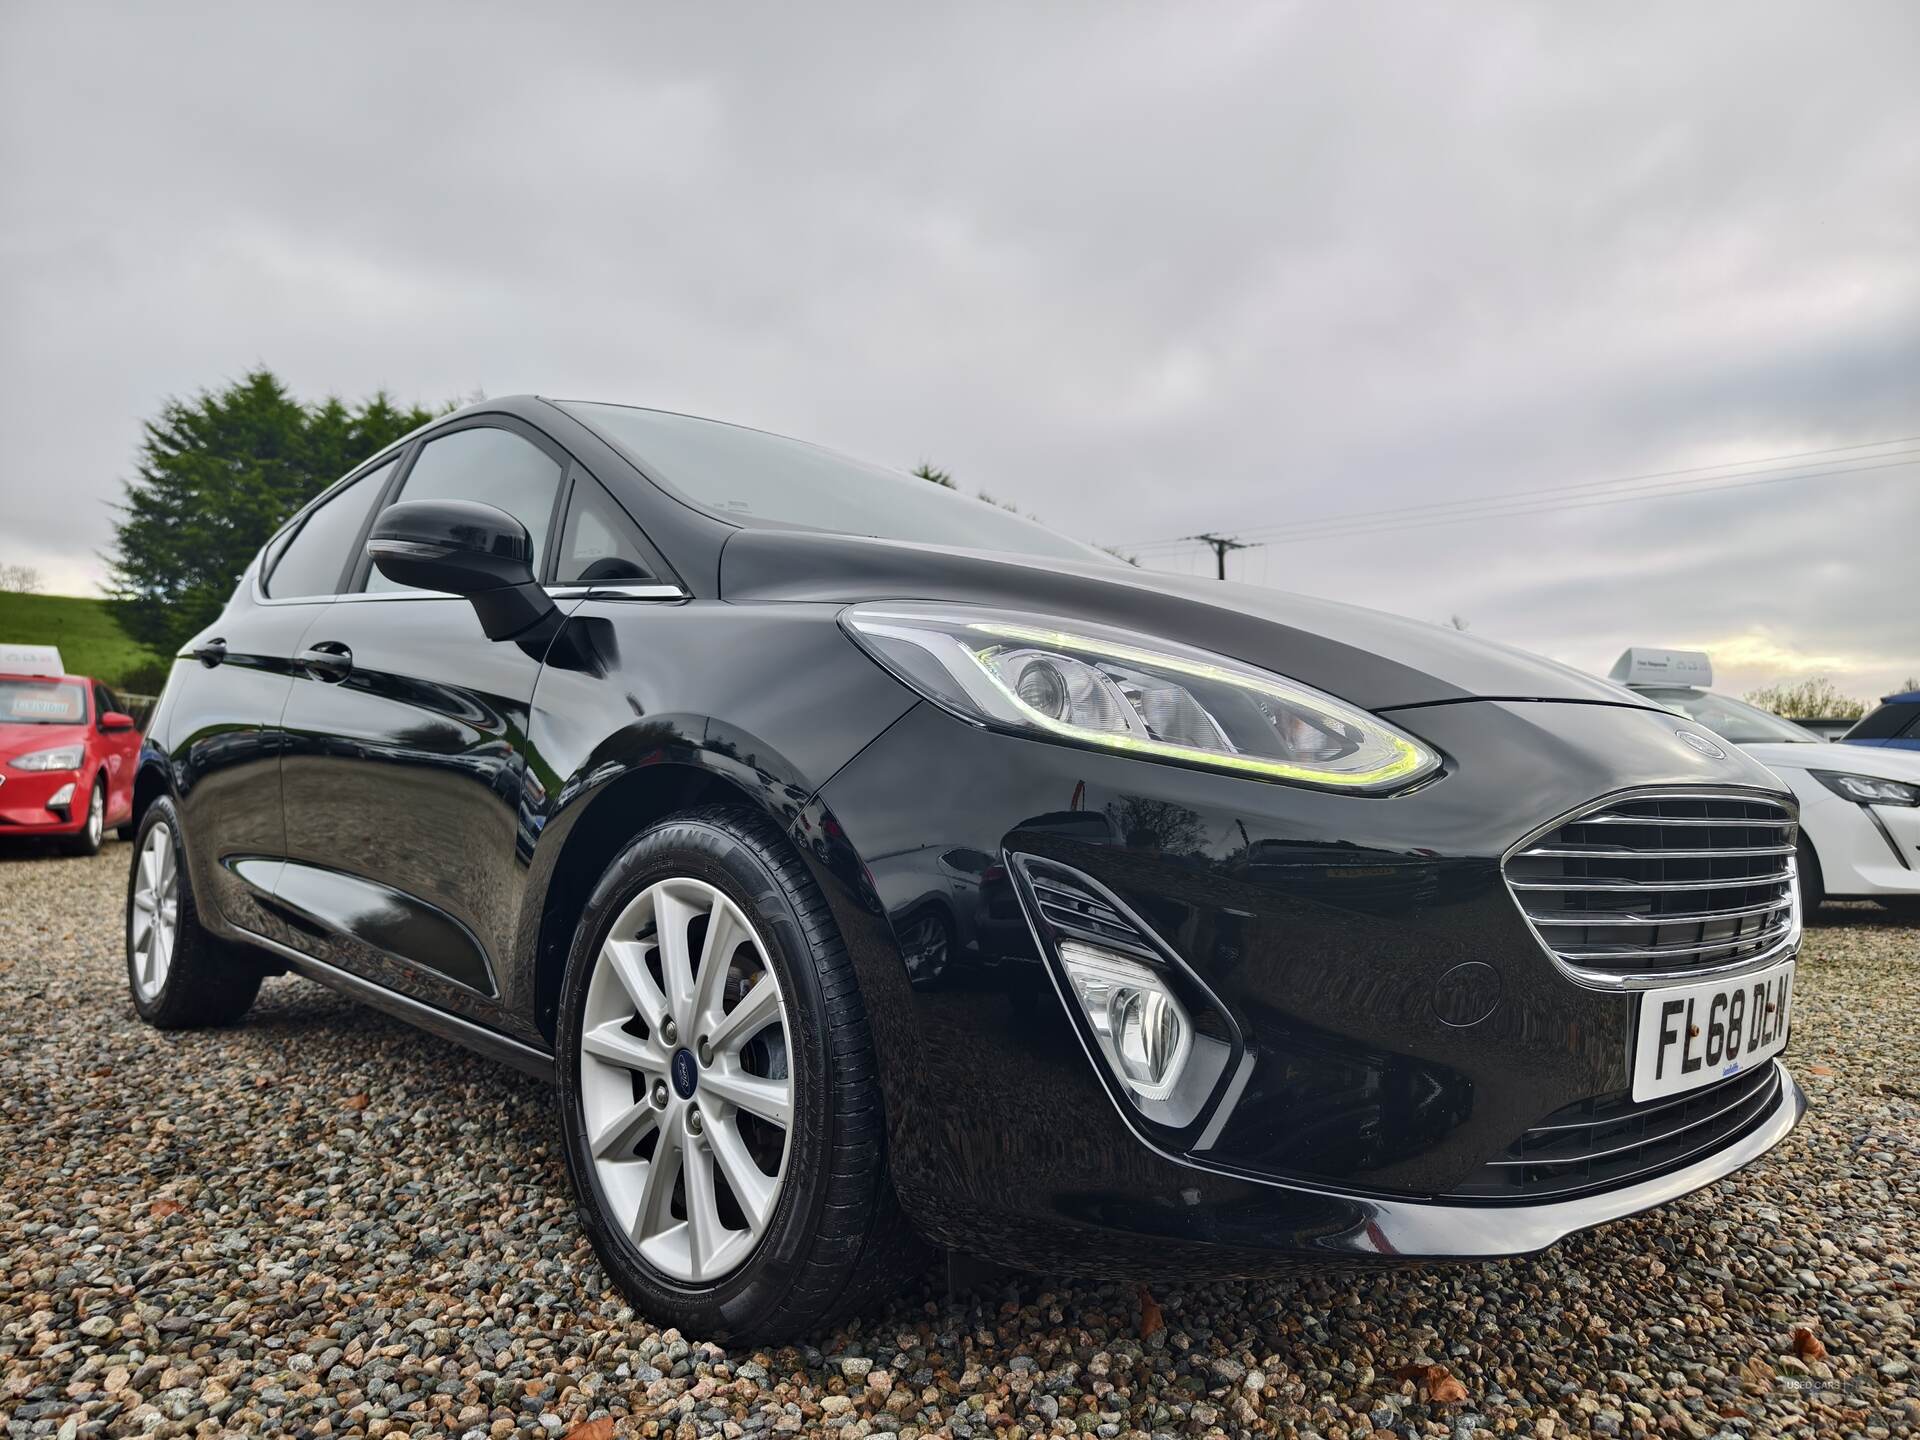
686, 1082
97, 816
156, 913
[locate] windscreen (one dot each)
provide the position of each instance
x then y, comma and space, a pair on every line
1733, 720
42, 702
753, 478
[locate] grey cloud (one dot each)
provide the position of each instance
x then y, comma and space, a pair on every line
1142, 270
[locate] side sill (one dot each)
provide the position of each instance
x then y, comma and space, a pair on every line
490, 1043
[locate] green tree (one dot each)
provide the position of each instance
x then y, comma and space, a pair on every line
1814, 699
930, 473
217, 475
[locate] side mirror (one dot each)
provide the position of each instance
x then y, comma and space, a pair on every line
465, 548
115, 720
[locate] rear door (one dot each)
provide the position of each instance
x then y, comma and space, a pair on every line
407, 751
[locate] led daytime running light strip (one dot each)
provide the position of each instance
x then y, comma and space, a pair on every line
1409, 759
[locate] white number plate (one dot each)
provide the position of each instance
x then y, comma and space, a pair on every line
1693, 1035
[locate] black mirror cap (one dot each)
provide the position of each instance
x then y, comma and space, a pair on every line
458, 546
462, 547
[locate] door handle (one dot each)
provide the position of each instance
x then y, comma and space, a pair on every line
329, 660
211, 653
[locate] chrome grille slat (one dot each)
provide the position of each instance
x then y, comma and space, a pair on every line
1602, 1154
1665, 952
1612, 852
1631, 902
1629, 887
1697, 917
1685, 820
1608, 1142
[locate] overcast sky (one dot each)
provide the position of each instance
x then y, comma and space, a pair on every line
1141, 270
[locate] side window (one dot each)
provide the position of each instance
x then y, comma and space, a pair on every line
103, 702
596, 544
494, 467
313, 562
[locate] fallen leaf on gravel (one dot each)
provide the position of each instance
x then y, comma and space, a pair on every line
601, 1429
1820, 1069
355, 1102
1442, 1388
1807, 1345
163, 1207
1151, 1319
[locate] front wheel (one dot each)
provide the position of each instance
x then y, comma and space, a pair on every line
87, 842
723, 1120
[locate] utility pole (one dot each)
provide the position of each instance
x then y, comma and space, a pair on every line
1221, 545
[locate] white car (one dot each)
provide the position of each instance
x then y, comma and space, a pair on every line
1859, 804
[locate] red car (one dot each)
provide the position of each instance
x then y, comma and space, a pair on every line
67, 751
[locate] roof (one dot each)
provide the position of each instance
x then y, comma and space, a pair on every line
1906, 697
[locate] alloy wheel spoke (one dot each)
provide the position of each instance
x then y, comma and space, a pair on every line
724, 934
656, 1192
629, 960
771, 1100
672, 917
705, 1233
626, 1130
162, 953
613, 1044
751, 1186
756, 1009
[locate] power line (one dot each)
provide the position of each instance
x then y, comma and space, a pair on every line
1706, 487
1768, 462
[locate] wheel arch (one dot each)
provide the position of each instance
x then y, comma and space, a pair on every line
150, 782
615, 800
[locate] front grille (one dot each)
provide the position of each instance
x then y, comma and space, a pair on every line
1600, 1144
1657, 884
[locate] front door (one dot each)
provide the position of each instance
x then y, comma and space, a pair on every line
224, 737
406, 745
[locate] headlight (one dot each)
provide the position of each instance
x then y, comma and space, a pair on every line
1868, 790
1111, 689
60, 757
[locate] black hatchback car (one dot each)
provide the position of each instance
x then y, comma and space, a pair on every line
869, 865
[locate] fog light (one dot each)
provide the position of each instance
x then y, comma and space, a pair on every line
1142, 1028
62, 797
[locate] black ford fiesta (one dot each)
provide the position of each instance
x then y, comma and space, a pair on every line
870, 866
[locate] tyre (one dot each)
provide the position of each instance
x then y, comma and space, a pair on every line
182, 975
1812, 892
87, 842
722, 1114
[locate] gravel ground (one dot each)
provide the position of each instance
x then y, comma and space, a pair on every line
324, 1223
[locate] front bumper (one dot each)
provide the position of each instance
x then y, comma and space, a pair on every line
1326, 926
25, 802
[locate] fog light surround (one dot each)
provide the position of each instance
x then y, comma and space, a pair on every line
62, 798
1143, 1031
